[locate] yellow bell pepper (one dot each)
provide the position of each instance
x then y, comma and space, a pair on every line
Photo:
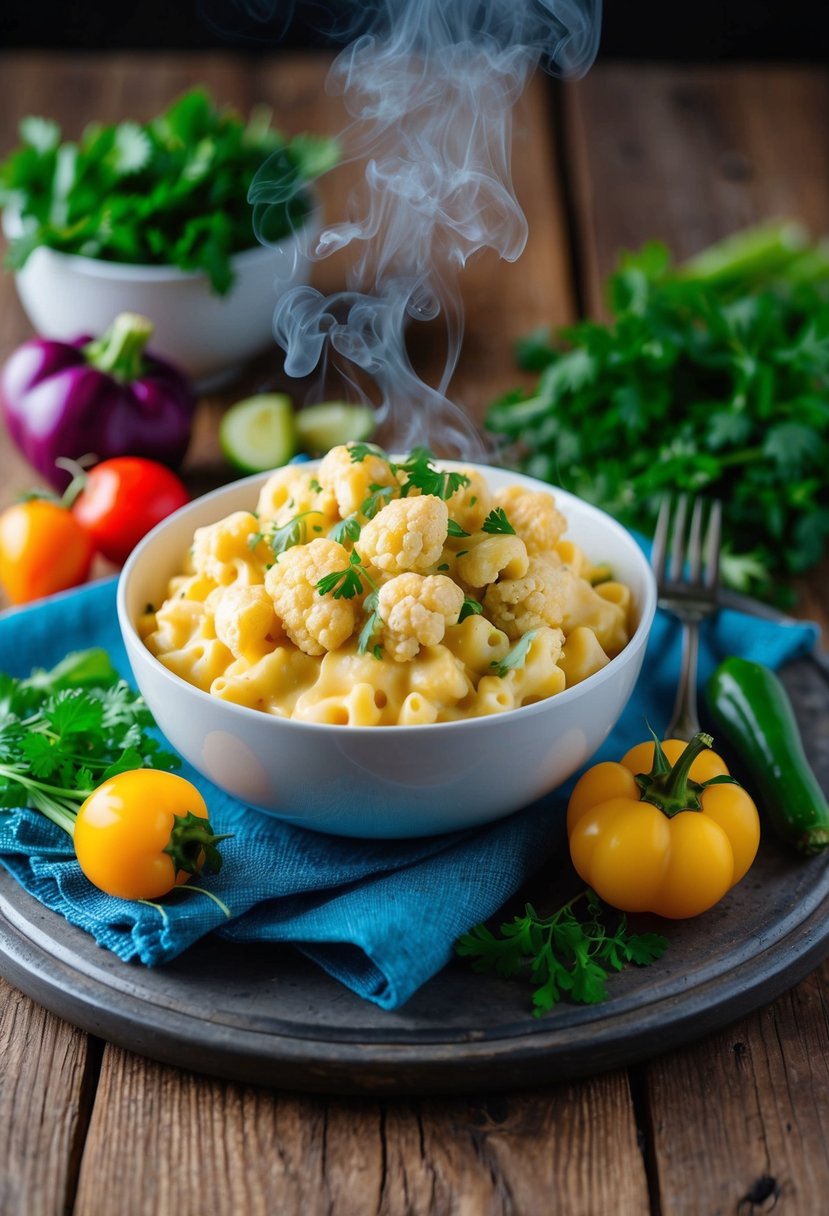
666, 830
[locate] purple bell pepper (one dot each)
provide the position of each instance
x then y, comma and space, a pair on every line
99, 397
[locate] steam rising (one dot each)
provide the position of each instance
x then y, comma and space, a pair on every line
429, 86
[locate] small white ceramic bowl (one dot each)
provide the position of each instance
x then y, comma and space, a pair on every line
384, 781
208, 336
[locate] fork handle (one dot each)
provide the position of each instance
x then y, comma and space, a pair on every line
684, 723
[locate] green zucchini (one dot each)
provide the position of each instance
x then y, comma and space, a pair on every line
751, 713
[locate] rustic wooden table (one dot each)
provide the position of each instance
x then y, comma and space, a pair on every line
736, 1123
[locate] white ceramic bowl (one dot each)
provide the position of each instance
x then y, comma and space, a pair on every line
208, 336
384, 781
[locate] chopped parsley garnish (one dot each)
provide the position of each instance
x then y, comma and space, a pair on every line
370, 627
455, 529
345, 584
497, 523
469, 607
376, 500
346, 529
420, 470
561, 954
516, 657
314, 485
283, 537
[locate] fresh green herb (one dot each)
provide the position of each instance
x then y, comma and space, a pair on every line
712, 376
283, 537
371, 626
376, 500
314, 485
454, 529
66, 730
173, 191
563, 954
443, 566
345, 584
497, 523
346, 529
361, 451
516, 656
469, 607
421, 474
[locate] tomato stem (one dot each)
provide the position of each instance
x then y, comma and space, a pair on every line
671, 788
192, 844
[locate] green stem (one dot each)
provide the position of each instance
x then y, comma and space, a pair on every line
120, 351
672, 790
757, 251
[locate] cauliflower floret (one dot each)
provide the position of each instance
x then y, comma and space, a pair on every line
491, 557
408, 534
314, 622
244, 621
415, 610
534, 516
541, 597
222, 552
470, 504
288, 493
347, 483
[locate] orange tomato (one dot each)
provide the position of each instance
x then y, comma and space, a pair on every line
43, 549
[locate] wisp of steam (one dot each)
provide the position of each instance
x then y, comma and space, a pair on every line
430, 87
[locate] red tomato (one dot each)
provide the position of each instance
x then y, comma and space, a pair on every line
123, 499
43, 549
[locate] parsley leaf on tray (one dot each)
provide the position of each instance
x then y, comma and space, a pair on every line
561, 954
710, 377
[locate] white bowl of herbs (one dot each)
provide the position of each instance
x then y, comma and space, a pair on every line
154, 218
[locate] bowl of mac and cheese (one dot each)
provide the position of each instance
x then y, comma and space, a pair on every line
387, 646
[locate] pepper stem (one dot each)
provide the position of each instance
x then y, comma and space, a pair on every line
192, 844
120, 351
670, 787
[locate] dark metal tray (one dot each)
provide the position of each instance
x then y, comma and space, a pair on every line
266, 1015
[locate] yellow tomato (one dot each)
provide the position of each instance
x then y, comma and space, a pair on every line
665, 843
142, 833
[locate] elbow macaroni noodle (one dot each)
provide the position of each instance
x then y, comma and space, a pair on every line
419, 609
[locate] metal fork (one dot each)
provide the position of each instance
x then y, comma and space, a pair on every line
685, 560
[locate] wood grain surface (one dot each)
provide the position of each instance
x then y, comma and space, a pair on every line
734, 1125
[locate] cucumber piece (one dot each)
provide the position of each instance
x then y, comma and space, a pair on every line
259, 432
323, 426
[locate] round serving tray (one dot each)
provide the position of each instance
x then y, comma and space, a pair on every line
265, 1014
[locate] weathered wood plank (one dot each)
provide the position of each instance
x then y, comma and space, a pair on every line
737, 1122
46, 1084
689, 155
569, 1151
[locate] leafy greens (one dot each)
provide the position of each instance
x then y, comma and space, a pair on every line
711, 377
173, 191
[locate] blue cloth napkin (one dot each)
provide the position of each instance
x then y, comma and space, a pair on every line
380, 916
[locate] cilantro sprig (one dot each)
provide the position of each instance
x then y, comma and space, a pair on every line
65, 731
173, 191
712, 376
281, 537
562, 954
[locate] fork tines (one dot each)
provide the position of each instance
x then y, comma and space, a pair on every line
686, 555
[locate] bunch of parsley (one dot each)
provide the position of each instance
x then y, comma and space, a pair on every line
711, 377
65, 731
173, 191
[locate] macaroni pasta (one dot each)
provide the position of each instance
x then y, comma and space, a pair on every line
375, 592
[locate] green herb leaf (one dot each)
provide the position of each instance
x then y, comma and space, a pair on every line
497, 523
469, 607
561, 953
516, 656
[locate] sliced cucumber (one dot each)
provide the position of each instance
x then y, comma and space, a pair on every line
259, 432
324, 426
